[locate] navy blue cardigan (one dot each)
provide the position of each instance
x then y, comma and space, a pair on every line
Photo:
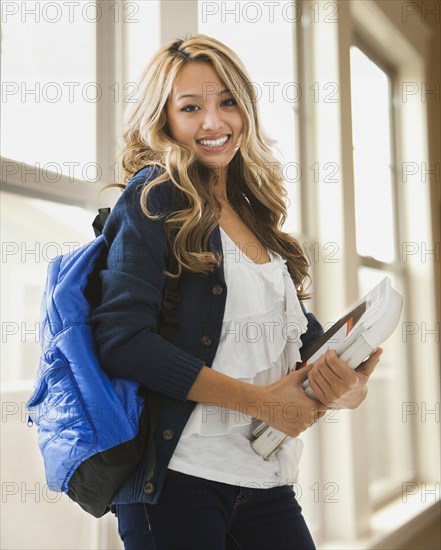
125, 325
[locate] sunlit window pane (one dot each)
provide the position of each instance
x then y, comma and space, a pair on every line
33, 232
139, 17
371, 127
49, 89
262, 34
391, 461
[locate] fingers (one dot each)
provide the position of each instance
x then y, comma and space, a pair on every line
333, 383
296, 412
331, 378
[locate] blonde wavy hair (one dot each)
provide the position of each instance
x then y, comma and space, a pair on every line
255, 185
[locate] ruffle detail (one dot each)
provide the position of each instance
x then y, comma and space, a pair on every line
296, 321
260, 338
257, 343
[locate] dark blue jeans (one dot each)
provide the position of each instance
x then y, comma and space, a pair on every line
198, 514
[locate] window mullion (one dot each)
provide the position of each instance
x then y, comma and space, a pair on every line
24, 179
342, 442
109, 74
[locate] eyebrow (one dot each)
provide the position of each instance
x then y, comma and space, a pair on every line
200, 97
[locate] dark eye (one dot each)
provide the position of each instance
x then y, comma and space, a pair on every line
230, 102
189, 108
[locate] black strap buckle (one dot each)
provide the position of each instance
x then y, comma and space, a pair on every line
100, 220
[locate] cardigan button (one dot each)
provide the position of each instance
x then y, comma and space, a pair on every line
168, 434
206, 341
149, 488
217, 289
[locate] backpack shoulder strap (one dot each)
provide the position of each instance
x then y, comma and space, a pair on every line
169, 323
100, 220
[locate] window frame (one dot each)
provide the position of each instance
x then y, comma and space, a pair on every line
362, 24
395, 266
111, 40
112, 46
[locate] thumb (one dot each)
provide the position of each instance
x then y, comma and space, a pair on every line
368, 366
302, 374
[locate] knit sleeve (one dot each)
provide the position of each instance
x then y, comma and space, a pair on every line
125, 322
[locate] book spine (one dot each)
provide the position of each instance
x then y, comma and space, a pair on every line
268, 441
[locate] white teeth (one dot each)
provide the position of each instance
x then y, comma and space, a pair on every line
214, 143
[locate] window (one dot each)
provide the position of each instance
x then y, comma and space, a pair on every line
49, 85
259, 33
298, 55
372, 133
34, 232
68, 73
391, 462
360, 463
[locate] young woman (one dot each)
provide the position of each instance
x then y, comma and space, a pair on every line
204, 185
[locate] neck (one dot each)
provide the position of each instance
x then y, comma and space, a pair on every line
220, 187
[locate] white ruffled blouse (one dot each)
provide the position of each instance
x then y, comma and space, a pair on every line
259, 344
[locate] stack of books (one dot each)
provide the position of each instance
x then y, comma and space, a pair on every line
355, 336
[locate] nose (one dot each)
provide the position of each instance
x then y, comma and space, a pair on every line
212, 119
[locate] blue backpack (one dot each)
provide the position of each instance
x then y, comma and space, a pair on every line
93, 429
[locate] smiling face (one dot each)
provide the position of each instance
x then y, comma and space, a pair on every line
203, 115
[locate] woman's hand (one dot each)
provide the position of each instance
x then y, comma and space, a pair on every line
286, 406
337, 385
